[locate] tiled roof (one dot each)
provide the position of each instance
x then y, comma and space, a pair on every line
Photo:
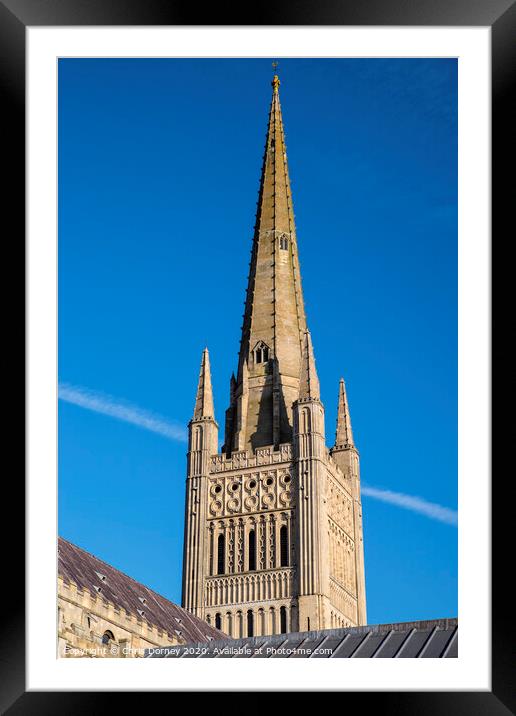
88, 572
425, 639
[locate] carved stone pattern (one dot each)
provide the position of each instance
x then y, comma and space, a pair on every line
263, 456
342, 557
285, 482
236, 495
272, 544
216, 491
231, 544
343, 601
340, 507
338, 620
262, 563
211, 538
263, 586
240, 546
265, 617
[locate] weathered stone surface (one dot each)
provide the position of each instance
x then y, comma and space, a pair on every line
273, 528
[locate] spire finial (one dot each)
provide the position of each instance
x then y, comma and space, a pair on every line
204, 398
344, 433
308, 382
275, 80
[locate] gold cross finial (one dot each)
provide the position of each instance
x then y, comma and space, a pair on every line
275, 80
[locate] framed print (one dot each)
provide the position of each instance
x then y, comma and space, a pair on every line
365, 279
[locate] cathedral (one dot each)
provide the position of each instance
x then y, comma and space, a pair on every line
273, 537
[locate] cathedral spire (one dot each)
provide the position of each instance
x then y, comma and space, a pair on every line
274, 320
273, 501
309, 382
344, 433
204, 400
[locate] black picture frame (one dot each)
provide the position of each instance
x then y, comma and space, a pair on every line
500, 16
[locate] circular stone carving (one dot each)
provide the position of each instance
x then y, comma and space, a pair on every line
284, 497
251, 484
267, 500
215, 507
233, 505
216, 489
251, 502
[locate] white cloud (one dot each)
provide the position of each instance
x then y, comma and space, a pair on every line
414, 504
115, 408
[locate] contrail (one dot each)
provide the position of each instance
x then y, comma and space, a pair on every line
107, 405
415, 504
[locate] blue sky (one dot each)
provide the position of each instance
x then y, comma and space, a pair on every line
159, 165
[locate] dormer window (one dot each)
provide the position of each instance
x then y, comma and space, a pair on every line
283, 242
261, 352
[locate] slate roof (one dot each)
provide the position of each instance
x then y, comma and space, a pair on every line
423, 639
88, 572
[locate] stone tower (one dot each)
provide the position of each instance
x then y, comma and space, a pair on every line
273, 523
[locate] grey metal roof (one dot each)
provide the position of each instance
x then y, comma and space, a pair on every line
424, 639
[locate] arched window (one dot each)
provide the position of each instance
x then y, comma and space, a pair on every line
212, 549
221, 554
250, 623
261, 352
218, 621
252, 550
107, 637
283, 620
284, 546
283, 242
197, 439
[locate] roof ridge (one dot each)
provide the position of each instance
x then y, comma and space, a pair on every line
98, 559
132, 579
158, 611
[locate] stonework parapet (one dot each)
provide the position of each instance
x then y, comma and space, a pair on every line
242, 459
68, 590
